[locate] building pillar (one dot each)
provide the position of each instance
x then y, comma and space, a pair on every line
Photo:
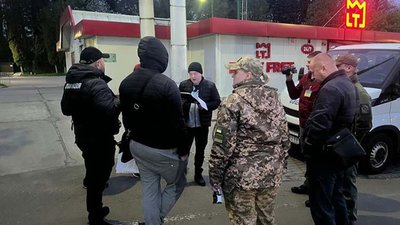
146, 13
178, 57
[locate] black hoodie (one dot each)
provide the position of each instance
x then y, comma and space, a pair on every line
158, 121
91, 103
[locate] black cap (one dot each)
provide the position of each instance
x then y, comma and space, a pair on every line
195, 66
90, 55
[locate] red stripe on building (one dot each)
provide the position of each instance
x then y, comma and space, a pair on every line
231, 27
67, 16
87, 28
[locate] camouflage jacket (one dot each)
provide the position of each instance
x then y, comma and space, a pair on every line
251, 139
363, 118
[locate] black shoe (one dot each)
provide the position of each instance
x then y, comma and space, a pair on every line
199, 180
104, 211
307, 203
141, 223
302, 189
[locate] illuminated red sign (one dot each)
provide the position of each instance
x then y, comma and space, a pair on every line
307, 48
356, 11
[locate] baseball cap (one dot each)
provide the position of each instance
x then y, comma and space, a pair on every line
90, 55
247, 63
348, 59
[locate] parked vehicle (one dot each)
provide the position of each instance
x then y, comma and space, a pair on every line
379, 72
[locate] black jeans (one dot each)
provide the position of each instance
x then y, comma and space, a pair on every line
200, 134
98, 156
327, 203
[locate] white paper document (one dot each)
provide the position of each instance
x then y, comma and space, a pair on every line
199, 100
128, 167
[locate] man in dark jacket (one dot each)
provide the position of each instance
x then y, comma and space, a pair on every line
361, 126
198, 119
94, 110
306, 91
152, 111
333, 110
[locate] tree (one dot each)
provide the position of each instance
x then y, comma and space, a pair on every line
197, 10
50, 28
258, 10
97, 6
388, 21
17, 33
286, 11
5, 52
161, 8
321, 12
128, 7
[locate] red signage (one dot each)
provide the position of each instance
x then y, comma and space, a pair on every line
276, 67
356, 11
307, 48
263, 50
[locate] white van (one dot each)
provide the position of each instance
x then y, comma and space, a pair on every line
379, 73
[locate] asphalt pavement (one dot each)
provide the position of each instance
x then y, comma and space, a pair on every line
41, 172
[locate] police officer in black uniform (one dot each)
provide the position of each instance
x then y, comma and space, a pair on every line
94, 110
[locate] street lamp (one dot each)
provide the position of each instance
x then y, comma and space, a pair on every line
212, 6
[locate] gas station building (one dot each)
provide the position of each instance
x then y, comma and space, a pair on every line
212, 42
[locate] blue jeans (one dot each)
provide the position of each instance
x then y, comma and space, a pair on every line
327, 203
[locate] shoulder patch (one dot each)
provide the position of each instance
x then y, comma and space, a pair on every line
73, 86
365, 109
218, 135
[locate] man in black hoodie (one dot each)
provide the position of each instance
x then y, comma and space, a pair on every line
152, 112
94, 110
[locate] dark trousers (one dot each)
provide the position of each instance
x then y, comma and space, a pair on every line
98, 156
200, 135
327, 203
350, 192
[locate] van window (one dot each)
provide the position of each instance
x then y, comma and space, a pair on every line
374, 66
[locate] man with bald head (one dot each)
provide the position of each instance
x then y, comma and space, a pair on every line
334, 109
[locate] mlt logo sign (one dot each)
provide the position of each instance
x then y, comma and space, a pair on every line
356, 13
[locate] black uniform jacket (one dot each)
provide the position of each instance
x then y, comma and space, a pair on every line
91, 103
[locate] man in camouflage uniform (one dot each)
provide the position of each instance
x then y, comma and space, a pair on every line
251, 140
361, 126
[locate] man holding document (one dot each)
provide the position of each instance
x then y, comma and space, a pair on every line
199, 98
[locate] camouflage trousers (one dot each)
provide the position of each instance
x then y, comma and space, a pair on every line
251, 207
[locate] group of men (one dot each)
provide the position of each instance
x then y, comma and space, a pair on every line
330, 98
251, 141
161, 124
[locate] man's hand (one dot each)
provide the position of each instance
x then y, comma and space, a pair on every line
289, 77
184, 157
215, 187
